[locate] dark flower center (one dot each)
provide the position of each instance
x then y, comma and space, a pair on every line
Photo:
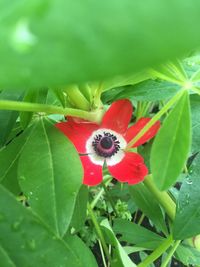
106, 144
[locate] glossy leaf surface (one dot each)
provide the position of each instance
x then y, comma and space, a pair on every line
29, 242
50, 175
187, 218
171, 145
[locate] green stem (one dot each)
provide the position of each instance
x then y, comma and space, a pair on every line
98, 231
76, 97
97, 95
167, 106
141, 219
98, 196
94, 116
162, 197
110, 198
157, 252
171, 253
102, 254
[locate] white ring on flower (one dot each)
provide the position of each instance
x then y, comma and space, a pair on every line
99, 160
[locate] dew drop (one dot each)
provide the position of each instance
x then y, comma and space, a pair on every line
31, 193
31, 244
22, 178
189, 181
16, 225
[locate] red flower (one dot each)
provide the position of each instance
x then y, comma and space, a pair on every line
106, 143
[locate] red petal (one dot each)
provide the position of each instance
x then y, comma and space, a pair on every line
92, 172
78, 133
131, 169
137, 127
118, 116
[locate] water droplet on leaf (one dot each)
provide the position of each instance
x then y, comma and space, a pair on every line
22, 178
189, 181
16, 225
31, 244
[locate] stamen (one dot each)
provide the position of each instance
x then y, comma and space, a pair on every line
106, 145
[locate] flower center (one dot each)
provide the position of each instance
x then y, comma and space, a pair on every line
106, 145
106, 142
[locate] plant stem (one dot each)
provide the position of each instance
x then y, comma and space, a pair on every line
94, 116
162, 197
170, 254
167, 106
98, 196
157, 252
110, 198
102, 254
97, 95
76, 97
98, 231
141, 219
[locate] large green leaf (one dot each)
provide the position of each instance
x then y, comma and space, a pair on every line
171, 145
50, 175
58, 42
187, 218
148, 205
136, 234
28, 242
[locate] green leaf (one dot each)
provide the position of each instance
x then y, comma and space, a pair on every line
148, 205
80, 209
9, 156
81, 251
136, 234
10, 181
40, 40
171, 145
50, 175
27, 241
187, 218
5, 259
8, 118
195, 111
150, 90
171, 71
121, 259
188, 255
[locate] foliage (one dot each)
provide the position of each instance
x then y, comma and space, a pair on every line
68, 60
